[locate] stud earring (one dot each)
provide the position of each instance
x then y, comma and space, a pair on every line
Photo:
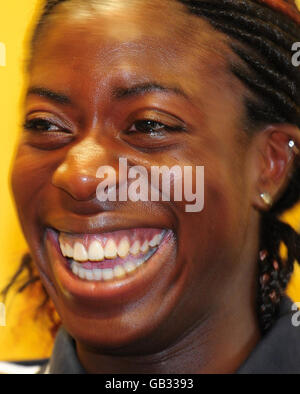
293, 147
267, 199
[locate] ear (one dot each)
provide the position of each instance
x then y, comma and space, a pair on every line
275, 151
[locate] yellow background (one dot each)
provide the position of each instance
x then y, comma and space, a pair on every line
24, 338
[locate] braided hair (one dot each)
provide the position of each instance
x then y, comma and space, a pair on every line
262, 39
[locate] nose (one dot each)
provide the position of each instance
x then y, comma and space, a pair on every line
76, 175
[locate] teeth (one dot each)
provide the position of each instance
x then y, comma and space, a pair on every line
68, 250
63, 248
119, 272
145, 247
80, 254
75, 268
107, 274
97, 274
155, 241
129, 267
135, 248
81, 273
110, 250
96, 252
160, 237
139, 262
89, 275
123, 248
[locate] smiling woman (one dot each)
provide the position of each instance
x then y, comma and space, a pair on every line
144, 286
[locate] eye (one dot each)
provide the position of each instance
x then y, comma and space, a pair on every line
43, 125
48, 134
153, 127
153, 131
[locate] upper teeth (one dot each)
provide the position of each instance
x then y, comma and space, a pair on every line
96, 251
123, 247
110, 250
135, 248
80, 253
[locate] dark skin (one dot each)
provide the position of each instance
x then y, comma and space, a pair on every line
198, 313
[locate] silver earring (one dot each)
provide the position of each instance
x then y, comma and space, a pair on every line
267, 199
293, 147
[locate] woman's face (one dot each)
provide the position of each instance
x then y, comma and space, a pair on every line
94, 84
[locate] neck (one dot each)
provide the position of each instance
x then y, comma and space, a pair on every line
219, 344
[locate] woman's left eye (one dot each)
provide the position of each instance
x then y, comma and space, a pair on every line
152, 127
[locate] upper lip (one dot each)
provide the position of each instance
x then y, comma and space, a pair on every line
104, 222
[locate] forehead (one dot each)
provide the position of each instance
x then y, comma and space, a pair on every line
127, 42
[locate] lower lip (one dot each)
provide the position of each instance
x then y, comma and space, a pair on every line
118, 291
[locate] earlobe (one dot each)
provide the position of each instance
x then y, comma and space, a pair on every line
293, 147
278, 147
266, 198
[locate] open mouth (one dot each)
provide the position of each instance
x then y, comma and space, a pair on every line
115, 266
109, 256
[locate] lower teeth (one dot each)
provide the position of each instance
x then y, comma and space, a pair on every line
107, 274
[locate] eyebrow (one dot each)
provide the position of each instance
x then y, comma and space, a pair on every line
56, 97
118, 93
145, 88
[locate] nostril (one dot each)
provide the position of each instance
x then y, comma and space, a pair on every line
80, 186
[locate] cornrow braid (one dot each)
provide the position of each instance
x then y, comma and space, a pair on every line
274, 272
262, 39
26, 265
265, 48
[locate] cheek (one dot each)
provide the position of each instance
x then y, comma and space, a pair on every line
210, 241
30, 173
